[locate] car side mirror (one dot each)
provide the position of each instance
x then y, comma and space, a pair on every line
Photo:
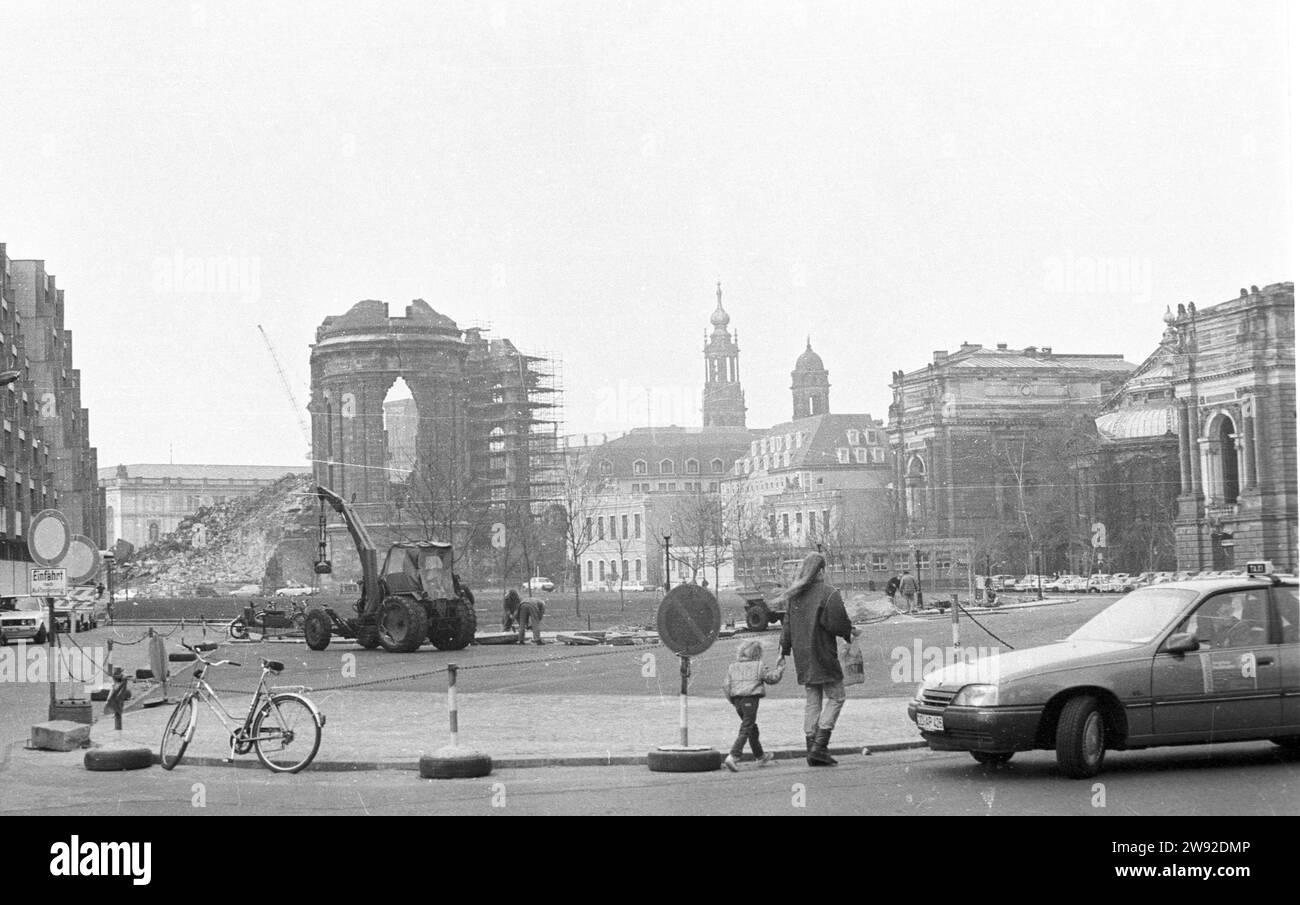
1182, 643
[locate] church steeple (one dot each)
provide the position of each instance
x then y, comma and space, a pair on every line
724, 400
810, 384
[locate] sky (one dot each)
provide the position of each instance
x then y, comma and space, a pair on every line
883, 179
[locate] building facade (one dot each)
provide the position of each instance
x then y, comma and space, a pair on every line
46, 451
144, 502
1235, 397
974, 436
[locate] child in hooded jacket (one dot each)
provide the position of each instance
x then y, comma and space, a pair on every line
745, 687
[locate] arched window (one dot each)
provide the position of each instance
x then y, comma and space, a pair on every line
665, 466
692, 466
718, 466
639, 467
153, 532
915, 488
1223, 457
606, 467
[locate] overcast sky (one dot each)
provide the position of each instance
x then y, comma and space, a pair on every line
889, 179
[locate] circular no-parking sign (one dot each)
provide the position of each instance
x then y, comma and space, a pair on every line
48, 538
689, 620
82, 560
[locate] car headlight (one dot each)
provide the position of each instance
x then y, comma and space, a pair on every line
977, 696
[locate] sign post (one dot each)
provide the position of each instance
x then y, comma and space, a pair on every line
688, 621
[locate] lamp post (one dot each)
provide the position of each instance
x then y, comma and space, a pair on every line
668, 561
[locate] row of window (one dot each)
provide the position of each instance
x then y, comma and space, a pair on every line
672, 487
784, 522
599, 570
666, 466
597, 524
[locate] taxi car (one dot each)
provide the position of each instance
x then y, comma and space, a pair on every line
1179, 663
24, 618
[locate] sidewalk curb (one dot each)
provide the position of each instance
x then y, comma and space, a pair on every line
526, 762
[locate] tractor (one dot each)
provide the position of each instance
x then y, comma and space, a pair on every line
415, 596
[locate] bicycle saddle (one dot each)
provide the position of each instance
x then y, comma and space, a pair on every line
273, 665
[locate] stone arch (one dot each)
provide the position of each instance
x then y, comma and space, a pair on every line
1222, 452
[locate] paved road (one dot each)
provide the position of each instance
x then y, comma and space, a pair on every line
559, 669
1240, 779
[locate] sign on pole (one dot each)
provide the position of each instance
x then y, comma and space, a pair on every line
49, 582
499, 535
48, 537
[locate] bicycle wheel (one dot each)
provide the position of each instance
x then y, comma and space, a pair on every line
286, 735
177, 735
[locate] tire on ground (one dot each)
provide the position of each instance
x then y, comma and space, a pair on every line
1078, 754
114, 759
403, 625
455, 766
456, 630
705, 761
757, 617
317, 629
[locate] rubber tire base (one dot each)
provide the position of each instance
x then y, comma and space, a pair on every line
115, 759
706, 761
455, 763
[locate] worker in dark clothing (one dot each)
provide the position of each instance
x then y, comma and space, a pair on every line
522, 615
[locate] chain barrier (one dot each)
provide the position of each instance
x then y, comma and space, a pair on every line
984, 629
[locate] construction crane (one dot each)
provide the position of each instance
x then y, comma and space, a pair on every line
284, 381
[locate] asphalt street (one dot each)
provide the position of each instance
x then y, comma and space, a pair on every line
1240, 779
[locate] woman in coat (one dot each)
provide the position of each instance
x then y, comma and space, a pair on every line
815, 617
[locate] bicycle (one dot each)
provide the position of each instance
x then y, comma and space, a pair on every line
278, 717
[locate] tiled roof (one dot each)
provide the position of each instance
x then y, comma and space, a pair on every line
823, 436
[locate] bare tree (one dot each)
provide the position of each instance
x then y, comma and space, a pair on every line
699, 534
580, 494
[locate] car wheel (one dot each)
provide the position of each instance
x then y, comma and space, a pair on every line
992, 758
1081, 738
41, 636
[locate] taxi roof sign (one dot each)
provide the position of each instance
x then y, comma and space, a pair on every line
1259, 567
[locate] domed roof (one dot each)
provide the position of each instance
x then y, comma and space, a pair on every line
809, 360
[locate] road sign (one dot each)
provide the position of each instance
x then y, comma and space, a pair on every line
48, 537
499, 536
82, 559
689, 620
49, 582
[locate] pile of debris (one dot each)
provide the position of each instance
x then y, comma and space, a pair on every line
221, 547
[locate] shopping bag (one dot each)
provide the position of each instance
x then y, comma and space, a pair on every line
855, 672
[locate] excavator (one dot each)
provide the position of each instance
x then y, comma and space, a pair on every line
415, 596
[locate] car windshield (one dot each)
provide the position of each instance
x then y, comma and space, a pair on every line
30, 605
1137, 617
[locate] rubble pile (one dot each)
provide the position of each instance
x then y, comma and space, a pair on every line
224, 546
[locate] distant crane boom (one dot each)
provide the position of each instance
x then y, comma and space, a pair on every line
284, 381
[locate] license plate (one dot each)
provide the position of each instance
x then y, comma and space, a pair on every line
929, 723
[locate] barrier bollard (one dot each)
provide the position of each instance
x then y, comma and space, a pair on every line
453, 761
118, 755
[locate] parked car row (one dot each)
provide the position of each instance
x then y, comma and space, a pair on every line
1100, 582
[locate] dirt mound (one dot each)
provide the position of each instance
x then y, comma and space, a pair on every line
232, 543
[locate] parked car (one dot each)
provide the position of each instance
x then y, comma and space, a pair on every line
295, 592
80, 611
1062, 583
1030, 583
24, 618
539, 583
1097, 582
248, 590
1163, 665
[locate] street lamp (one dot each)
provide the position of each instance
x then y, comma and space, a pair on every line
668, 578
